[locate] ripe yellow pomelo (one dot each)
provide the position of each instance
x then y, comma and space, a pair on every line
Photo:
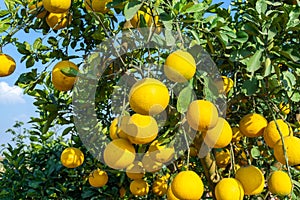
253, 125
119, 153
202, 115
272, 135
57, 6
149, 164
193, 151
98, 178
225, 84
222, 158
60, 81
161, 153
97, 5
160, 186
8, 65
139, 187
236, 134
284, 108
180, 66
292, 145
115, 131
187, 185
136, 19
229, 189
135, 170
149, 97
71, 157
251, 179
122, 192
58, 21
219, 136
35, 8
170, 195
279, 183
140, 129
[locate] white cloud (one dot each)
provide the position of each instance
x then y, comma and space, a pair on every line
10, 94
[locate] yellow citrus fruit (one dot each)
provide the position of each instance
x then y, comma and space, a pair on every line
97, 5
271, 134
161, 153
229, 189
187, 185
122, 192
98, 178
35, 8
119, 153
253, 125
160, 186
251, 178
219, 136
149, 97
140, 129
236, 134
284, 108
180, 66
136, 19
222, 158
139, 187
228, 84
279, 183
58, 20
57, 6
193, 151
115, 131
60, 81
170, 195
8, 65
202, 115
135, 170
71, 157
149, 164
292, 145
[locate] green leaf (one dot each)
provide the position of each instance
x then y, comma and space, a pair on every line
169, 38
69, 71
131, 8
3, 13
4, 27
255, 153
294, 96
30, 62
290, 53
185, 97
67, 131
47, 135
254, 63
261, 6
250, 87
51, 107
37, 43
289, 80
242, 37
199, 7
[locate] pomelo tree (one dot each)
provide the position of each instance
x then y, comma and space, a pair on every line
219, 88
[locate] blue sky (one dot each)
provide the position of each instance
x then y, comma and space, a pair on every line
14, 106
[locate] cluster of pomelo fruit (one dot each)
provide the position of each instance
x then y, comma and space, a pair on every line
57, 12
149, 97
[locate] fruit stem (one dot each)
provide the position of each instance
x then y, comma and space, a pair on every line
282, 140
188, 149
232, 160
210, 168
